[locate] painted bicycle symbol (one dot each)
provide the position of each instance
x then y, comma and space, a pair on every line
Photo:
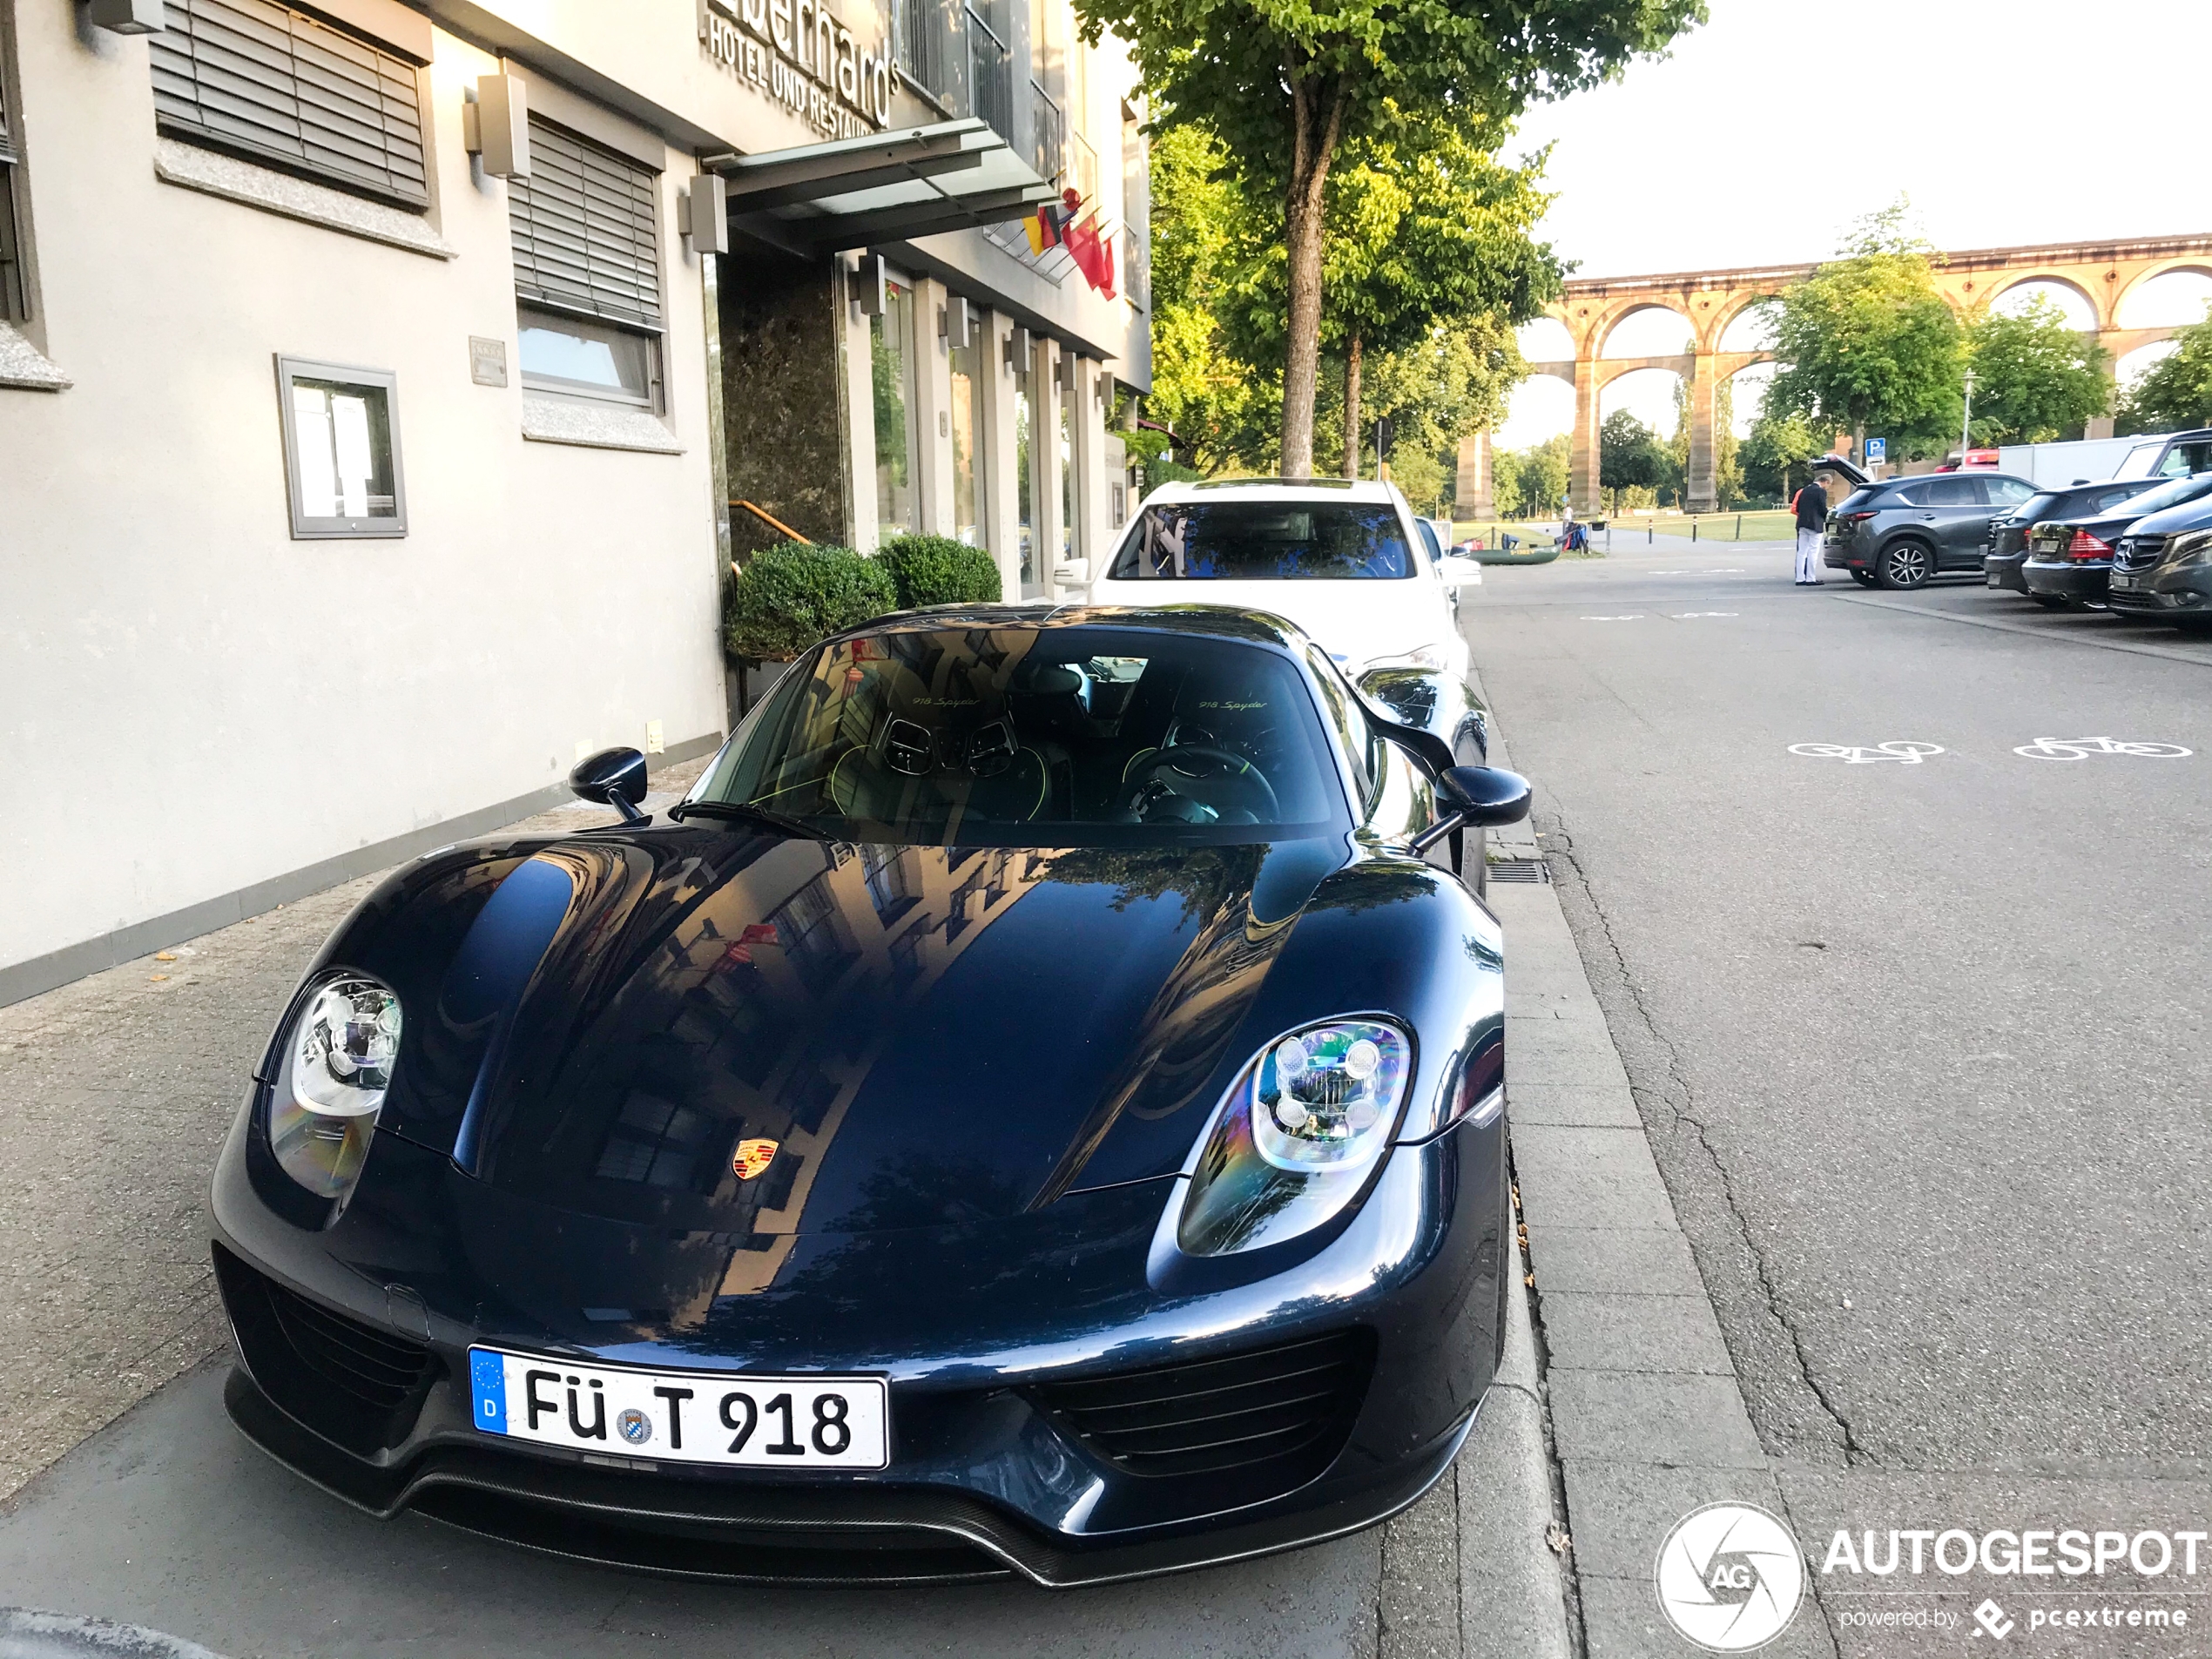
1903, 750
2082, 748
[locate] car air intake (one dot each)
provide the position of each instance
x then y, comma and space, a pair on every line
1292, 1404
349, 1382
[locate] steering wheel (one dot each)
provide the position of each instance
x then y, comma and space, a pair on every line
1238, 769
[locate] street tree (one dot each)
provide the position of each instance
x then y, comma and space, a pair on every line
1205, 240
1629, 455
2035, 375
1531, 482
1286, 84
1867, 344
1775, 453
2176, 391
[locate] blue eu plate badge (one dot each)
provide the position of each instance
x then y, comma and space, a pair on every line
488, 1382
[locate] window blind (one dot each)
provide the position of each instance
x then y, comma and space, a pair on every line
254, 76
584, 230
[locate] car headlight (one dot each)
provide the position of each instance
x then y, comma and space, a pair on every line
1294, 1141
2196, 548
337, 1066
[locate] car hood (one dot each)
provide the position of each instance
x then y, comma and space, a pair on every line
2187, 515
1355, 621
731, 1031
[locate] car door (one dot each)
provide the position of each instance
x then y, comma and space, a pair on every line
1950, 514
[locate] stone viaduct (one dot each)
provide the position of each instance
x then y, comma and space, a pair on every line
2103, 274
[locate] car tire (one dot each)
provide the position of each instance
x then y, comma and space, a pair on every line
1864, 578
1906, 564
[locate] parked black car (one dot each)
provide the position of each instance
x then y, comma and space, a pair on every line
2163, 567
2070, 559
1903, 531
2000, 565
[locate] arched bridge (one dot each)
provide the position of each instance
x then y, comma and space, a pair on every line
2103, 274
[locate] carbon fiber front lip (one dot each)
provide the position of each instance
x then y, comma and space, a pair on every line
597, 1516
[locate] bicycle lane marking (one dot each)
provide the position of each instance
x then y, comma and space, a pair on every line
1905, 751
2082, 748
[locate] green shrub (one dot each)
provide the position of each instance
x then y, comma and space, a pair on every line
794, 594
938, 571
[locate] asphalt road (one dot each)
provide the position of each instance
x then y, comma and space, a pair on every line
1920, 1045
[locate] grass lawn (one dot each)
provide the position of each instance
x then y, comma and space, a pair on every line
1775, 525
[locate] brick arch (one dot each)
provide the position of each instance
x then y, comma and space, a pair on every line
1617, 314
1733, 306
2189, 264
1985, 295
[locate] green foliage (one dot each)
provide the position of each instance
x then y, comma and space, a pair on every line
2035, 377
939, 570
794, 594
1421, 476
1203, 233
1868, 344
2176, 391
1285, 84
1531, 483
1775, 454
1630, 456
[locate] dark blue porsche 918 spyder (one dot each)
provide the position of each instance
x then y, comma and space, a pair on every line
1036, 1108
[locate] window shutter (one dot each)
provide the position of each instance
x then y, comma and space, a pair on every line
584, 233
276, 85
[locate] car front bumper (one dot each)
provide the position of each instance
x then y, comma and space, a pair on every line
990, 1475
2185, 592
2066, 579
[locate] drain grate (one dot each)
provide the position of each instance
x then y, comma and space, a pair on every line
1521, 870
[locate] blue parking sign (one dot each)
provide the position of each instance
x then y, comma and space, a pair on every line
1877, 449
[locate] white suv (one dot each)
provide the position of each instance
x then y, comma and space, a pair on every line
1345, 561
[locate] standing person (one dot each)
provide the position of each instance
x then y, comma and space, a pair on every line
1811, 505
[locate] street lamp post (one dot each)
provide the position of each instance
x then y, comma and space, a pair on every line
1966, 425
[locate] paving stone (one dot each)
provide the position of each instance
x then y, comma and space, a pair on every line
1622, 1620
1652, 1417
1589, 1177
1619, 1514
1639, 1261
1587, 1332
1570, 1105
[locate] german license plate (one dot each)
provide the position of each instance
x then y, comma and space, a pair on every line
2119, 580
731, 1418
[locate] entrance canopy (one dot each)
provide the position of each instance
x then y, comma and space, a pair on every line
887, 187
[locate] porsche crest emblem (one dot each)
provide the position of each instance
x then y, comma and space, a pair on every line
751, 1158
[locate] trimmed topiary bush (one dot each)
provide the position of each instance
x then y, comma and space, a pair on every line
794, 594
938, 571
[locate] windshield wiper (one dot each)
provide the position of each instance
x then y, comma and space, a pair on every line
746, 810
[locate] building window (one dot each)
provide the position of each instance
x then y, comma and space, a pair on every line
892, 371
1136, 190
15, 291
966, 523
282, 87
1064, 401
586, 271
342, 449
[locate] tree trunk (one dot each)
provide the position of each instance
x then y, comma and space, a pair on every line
1351, 408
1317, 111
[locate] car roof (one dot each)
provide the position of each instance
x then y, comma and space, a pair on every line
1367, 489
1232, 623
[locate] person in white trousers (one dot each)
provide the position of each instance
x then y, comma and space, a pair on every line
1811, 504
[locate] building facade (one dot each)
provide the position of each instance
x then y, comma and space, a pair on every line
386, 390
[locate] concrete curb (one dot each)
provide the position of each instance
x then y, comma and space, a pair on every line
25, 1634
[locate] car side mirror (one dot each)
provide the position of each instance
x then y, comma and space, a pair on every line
1072, 573
1474, 798
612, 777
1459, 571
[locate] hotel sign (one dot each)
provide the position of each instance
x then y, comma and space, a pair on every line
797, 53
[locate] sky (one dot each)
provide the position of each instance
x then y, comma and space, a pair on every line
1765, 132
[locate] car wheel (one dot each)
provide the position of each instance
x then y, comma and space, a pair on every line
1864, 578
2048, 601
1906, 564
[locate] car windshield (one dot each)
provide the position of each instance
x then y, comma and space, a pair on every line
1029, 736
2173, 494
1248, 541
